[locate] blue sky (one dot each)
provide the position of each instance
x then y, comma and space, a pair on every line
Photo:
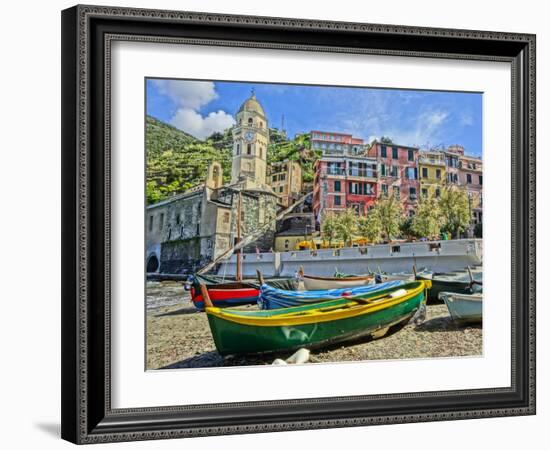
410, 117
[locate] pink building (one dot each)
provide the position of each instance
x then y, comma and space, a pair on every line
342, 182
398, 172
470, 176
331, 143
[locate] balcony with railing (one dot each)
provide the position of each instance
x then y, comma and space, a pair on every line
362, 173
333, 171
431, 160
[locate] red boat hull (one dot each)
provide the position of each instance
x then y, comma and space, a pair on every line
226, 297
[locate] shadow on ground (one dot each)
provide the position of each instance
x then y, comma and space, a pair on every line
444, 323
178, 312
214, 359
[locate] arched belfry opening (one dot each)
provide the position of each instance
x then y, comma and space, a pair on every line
214, 178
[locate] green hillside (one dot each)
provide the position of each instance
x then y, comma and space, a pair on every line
177, 161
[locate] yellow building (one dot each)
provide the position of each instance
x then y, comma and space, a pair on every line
285, 178
250, 141
431, 171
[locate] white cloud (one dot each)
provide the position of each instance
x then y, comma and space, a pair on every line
187, 94
190, 97
466, 120
194, 123
425, 132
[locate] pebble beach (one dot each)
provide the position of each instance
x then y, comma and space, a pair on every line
178, 336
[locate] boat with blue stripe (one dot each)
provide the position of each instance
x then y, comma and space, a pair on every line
273, 298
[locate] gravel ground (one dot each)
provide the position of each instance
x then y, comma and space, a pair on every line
178, 336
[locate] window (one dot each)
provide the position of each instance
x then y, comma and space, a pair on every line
394, 154
383, 153
438, 174
410, 155
411, 173
384, 189
151, 223
424, 192
281, 189
337, 186
383, 170
261, 152
481, 179
261, 124
161, 223
412, 193
238, 149
282, 177
337, 200
248, 149
396, 191
250, 121
287, 243
274, 178
469, 178
394, 172
437, 193
367, 189
424, 172
226, 217
177, 218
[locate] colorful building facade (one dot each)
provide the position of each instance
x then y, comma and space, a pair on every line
331, 143
432, 171
470, 175
344, 182
398, 166
285, 178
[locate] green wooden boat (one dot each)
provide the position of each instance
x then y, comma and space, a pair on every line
458, 282
314, 325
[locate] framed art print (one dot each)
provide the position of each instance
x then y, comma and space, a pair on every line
259, 212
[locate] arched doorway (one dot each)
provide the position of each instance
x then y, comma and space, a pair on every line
152, 264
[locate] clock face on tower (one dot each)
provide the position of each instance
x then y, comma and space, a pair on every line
249, 136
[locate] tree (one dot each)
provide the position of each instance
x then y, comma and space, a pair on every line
347, 225
390, 212
386, 140
455, 210
369, 226
406, 228
329, 227
428, 219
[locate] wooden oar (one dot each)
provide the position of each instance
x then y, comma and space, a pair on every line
205, 296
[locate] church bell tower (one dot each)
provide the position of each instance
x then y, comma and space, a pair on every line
250, 140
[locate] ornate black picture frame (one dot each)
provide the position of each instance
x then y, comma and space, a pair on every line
87, 34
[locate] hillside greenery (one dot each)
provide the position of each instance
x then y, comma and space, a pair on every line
177, 161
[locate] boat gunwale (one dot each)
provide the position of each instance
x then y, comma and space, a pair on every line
357, 308
341, 279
